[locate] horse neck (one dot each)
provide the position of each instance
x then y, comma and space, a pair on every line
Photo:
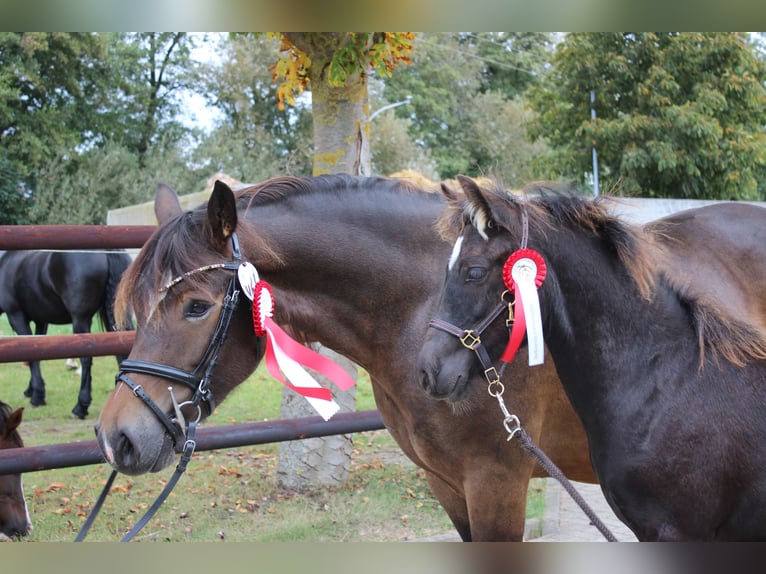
601, 331
364, 289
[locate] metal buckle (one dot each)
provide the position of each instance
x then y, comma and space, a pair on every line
492, 376
469, 336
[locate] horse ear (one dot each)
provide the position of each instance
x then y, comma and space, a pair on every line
222, 212
166, 203
14, 420
482, 214
450, 193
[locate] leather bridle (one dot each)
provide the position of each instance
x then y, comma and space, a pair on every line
197, 380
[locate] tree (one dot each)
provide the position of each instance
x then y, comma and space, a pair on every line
71, 103
153, 67
254, 140
449, 73
512, 62
336, 67
678, 114
51, 87
13, 208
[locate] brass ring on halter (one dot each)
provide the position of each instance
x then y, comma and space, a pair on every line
496, 384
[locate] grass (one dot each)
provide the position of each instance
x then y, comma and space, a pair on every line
230, 494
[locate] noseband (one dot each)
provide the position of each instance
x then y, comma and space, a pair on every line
197, 380
471, 338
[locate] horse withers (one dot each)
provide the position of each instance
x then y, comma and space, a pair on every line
59, 288
14, 514
659, 341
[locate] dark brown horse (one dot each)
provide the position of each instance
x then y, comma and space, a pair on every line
658, 337
355, 264
14, 515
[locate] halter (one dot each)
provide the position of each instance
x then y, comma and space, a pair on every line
177, 426
471, 338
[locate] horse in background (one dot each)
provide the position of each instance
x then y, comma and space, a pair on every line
14, 514
59, 288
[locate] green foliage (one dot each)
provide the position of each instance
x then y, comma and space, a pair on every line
678, 114
79, 115
449, 74
13, 203
254, 140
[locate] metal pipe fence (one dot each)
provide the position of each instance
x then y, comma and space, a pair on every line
26, 348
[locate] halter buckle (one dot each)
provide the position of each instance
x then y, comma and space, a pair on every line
492, 376
469, 340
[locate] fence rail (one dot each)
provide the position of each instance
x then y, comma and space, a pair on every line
26, 348
82, 453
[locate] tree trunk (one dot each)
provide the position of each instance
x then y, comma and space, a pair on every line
341, 145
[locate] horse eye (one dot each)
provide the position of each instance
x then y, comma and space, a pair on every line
475, 274
195, 308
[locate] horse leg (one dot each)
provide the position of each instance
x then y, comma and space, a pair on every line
453, 504
84, 398
36, 389
496, 496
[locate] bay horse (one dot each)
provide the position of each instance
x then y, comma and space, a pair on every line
58, 288
668, 377
14, 514
354, 263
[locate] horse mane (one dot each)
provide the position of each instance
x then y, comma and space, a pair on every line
184, 243
639, 249
278, 188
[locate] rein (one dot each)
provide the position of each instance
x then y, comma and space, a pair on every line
471, 339
198, 381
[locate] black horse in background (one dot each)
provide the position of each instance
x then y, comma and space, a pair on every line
60, 288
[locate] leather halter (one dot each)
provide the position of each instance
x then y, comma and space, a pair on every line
197, 380
471, 338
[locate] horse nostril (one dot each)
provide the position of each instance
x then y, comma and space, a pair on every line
124, 447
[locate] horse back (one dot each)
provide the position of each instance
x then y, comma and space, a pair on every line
53, 287
715, 254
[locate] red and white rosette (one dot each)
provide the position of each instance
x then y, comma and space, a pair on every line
286, 356
523, 273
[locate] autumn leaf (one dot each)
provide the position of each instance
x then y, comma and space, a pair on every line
382, 52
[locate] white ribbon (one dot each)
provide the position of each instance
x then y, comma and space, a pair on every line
524, 272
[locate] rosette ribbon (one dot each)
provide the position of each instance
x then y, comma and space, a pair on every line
286, 358
523, 273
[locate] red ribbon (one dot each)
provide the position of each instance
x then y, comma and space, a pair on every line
519, 328
264, 325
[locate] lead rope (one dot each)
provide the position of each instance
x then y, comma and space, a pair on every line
515, 430
186, 455
523, 437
